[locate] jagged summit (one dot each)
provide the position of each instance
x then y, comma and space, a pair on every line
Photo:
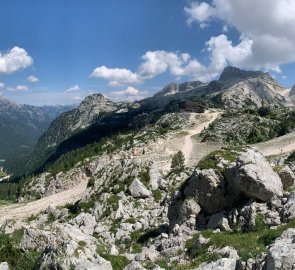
96, 103
174, 88
230, 73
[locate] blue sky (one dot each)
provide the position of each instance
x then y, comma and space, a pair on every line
58, 51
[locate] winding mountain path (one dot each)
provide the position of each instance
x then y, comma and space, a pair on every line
278, 146
188, 143
22, 211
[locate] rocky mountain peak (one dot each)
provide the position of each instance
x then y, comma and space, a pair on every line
230, 73
292, 91
175, 88
96, 103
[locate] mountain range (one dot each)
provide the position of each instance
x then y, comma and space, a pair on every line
21, 126
199, 176
96, 117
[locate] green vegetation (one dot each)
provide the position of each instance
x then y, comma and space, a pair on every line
248, 244
105, 145
15, 256
248, 126
211, 160
118, 262
157, 195
177, 163
2, 174
50, 218
145, 177
291, 158
8, 191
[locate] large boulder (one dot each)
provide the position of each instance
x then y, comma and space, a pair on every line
281, 254
4, 266
254, 177
218, 221
138, 189
287, 177
212, 190
181, 211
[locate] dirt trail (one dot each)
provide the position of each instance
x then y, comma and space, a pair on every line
188, 143
278, 146
23, 211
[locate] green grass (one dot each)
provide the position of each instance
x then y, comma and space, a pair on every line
2, 174
145, 177
248, 244
211, 161
118, 262
157, 195
50, 218
4, 202
14, 256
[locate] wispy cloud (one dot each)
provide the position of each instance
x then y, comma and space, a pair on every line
74, 88
32, 79
17, 88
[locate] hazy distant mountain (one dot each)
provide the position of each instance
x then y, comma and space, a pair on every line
21, 126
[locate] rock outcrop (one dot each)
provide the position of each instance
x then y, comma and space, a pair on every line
254, 177
138, 190
281, 253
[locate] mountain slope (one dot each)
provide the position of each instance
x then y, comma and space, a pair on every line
74, 124
98, 117
235, 88
21, 126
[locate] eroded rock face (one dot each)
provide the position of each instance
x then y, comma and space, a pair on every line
281, 254
182, 211
64, 246
212, 192
254, 177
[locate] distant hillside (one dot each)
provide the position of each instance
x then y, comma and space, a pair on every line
98, 117
21, 126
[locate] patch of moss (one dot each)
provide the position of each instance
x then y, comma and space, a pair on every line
211, 160
118, 262
157, 195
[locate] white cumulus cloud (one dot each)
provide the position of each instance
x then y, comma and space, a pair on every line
2, 85
17, 88
268, 26
13, 60
115, 76
32, 79
74, 88
130, 91
129, 94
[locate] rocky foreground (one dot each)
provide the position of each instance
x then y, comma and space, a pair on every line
234, 211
